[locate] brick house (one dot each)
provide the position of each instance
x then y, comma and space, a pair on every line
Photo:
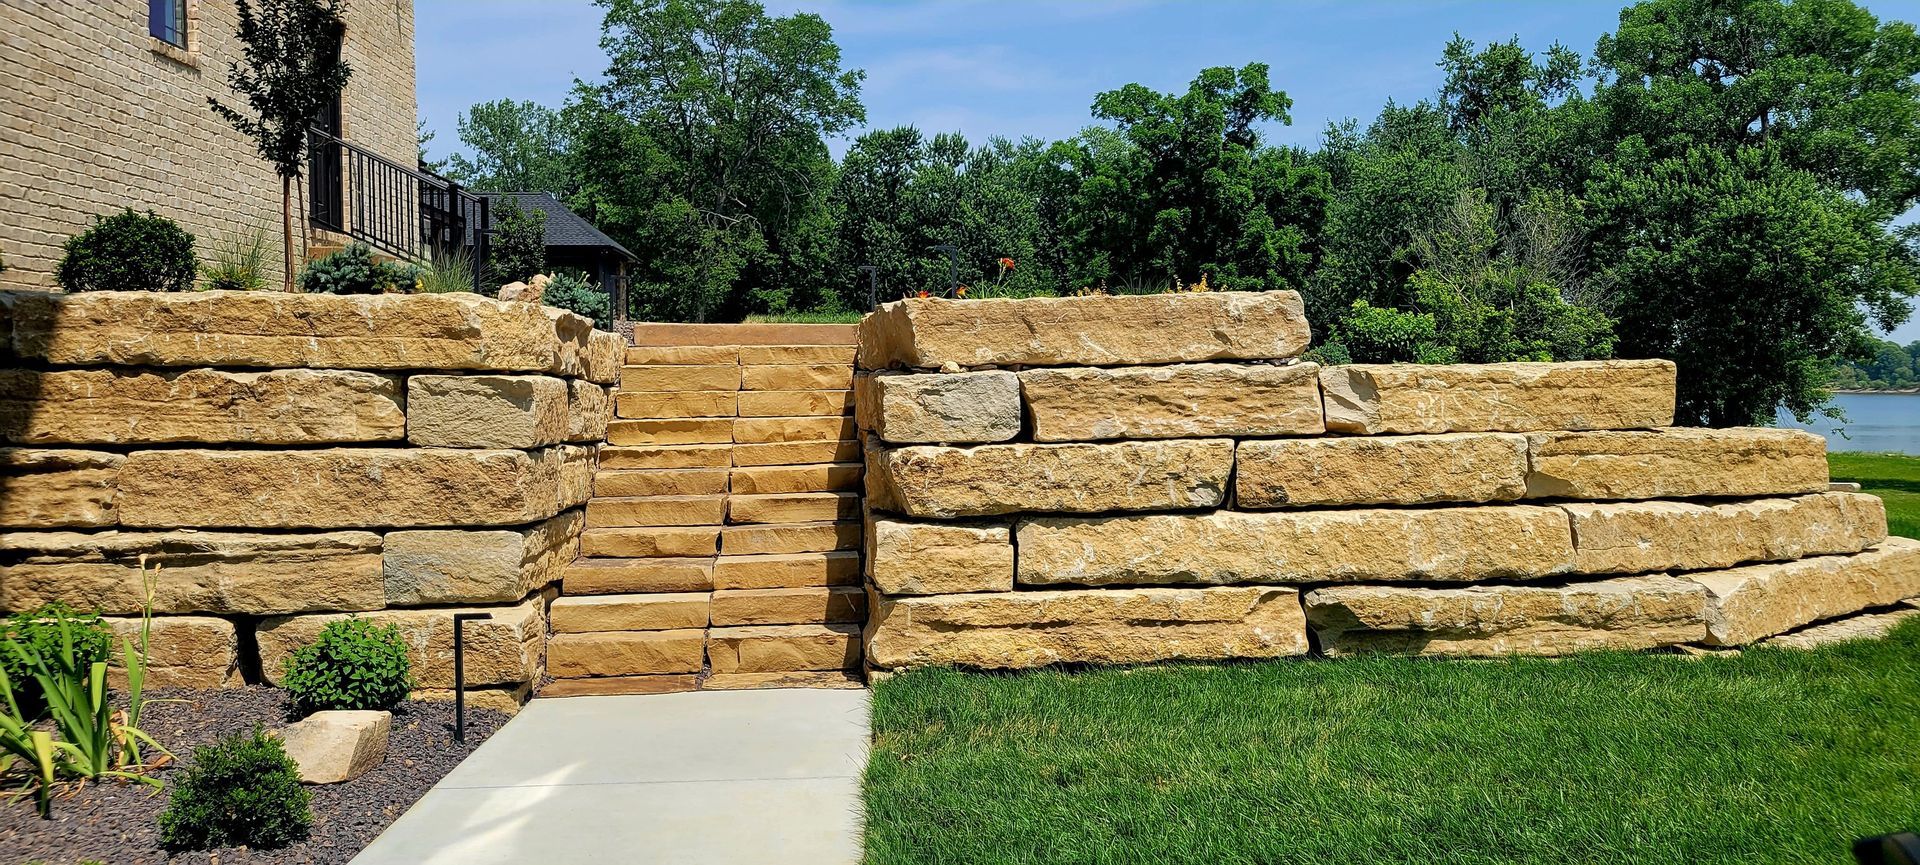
103, 105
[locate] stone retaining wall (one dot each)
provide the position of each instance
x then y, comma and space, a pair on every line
1130, 479
286, 459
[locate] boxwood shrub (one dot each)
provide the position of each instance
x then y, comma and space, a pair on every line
129, 252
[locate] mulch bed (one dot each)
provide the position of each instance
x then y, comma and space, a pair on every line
116, 823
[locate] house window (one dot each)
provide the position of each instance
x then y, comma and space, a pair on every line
167, 21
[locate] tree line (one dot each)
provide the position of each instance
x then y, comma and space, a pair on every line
1716, 182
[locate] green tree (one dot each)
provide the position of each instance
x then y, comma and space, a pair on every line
516, 146
520, 242
292, 71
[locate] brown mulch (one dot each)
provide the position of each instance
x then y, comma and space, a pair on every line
116, 822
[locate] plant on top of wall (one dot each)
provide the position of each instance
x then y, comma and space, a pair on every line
355, 664
574, 293
129, 251
237, 263
355, 270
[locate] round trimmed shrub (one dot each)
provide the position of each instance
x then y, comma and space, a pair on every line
243, 791
129, 252
355, 664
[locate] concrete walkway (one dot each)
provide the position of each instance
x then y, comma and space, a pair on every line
703, 777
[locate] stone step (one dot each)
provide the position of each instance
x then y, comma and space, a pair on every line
623, 512
692, 355
648, 405
671, 431
757, 355
597, 576
789, 508
613, 686
652, 335
794, 403
787, 570
626, 653
660, 482
797, 452
582, 614
797, 376
827, 679
783, 648
771, 538
679, 379
765, 430
815, 478
651, 542
820, 605
691, 456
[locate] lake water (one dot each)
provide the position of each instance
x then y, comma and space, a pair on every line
1881, 422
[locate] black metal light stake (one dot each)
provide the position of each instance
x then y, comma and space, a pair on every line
460, 672
953, 265
873, 286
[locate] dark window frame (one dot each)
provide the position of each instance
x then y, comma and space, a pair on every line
167, 21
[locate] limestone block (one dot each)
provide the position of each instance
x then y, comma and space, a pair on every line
340, 487
767, 355
182, 652
337, 745
797, 452
959, 408
814, 537
674, 379
656, 511
655, 612
801, 606
503, 650
817, 478
650, 405
661, 482
1371, 399
907, 558
670, 431
1091, 626
589, 410
601, 362
626, 653
1749, 603
793, 507
1623, 614
486, 411
477, 566
613, 686
1676, 462
1639, 537
1866, 626
787, 570
651, 541
765, 430
1179, 401
505, 699
665, 457
132, 406
687, 355
784, 648
1397, 470
193, 572
577, 469
795, 403
985, 480
1431, 545
844, 680
633, 576
1118, 330
805, 376
51, 488
272, 329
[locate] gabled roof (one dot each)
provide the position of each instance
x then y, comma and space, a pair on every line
564, 227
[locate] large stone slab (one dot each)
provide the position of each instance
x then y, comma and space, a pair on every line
486, 411
1118, 330
626, 653
958, 408
273, 329
1398, 470
1434, 545
933, 481
477, 566
1642, 537
503, 650
182, 652
1093, 626
908, 558
1627, 613
1866, 626
1676, 462
649, 612
783, 648
193, 572
1758, 601
42, 489
340, 487
131, 406
1179, 401
1498, 397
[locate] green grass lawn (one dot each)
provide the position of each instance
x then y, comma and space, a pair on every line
1771, 756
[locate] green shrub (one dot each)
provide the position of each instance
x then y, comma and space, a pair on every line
38, 632
355, 270
129, 252
519, 242
242, 791
447, 272
238, 263
354, 665
1372, 334
572, 292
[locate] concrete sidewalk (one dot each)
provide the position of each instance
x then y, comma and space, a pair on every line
703, 777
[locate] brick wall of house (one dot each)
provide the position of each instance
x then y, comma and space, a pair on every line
99, 115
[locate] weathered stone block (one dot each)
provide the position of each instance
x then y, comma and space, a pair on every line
1627, 613
129, 406
477, 566
1118, 330
503, 650
844, 680
687, 404
661, 482
1676, 463
665, 457
817, 478
486, 411
337, 745
1498, 397
939, 558
670, 431
1092, 626
801, 606
1437, 545
638, 576
671, 379
589, 410
1399, 470
614, 686
793, 507
798, 376
1757, 601
1866, 626
603, 513
1180, 401
784, 648
787, 570
197, 572
51, 488
795, 403
692, 355
651, 541
768, 355
600, 363
933, 407
811, 537
931, 481
505, 699
1640, 537
655, 612
797, 452
341, 487
626, 653
577, 468
182, 652
765, 430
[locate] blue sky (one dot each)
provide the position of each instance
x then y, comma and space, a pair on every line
987, 67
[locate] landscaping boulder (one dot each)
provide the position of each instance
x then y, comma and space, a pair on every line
334, 746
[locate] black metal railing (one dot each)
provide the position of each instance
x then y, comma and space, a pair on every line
406, 212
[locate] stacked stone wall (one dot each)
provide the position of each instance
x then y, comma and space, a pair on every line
1130, 479
289, 459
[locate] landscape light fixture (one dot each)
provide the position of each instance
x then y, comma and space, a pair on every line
460, 621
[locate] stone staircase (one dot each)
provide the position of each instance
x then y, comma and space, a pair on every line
723, 539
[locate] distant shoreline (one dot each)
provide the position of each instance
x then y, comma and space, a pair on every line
1901, 391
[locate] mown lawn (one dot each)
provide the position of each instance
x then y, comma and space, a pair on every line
1771, 756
